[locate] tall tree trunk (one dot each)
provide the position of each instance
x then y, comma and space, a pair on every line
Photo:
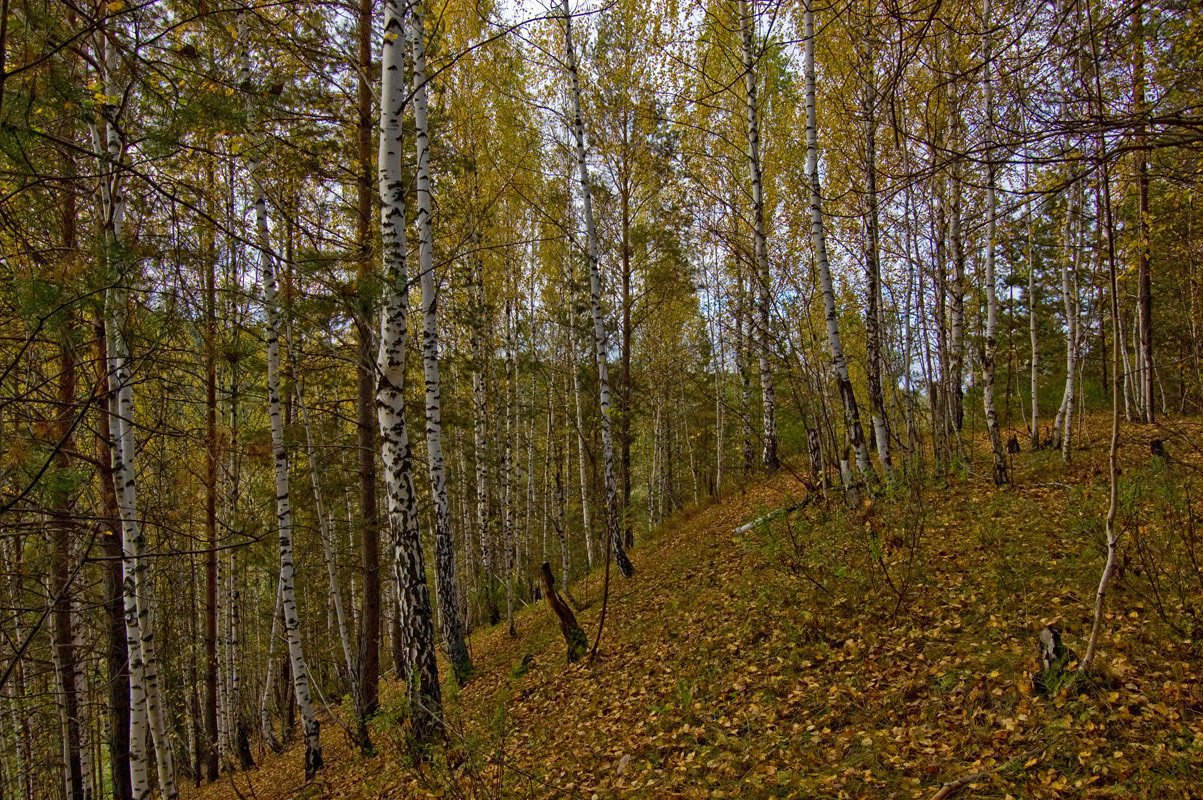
1062, 424
956, 303
209, 711
1144, 295
478, 341
600, 339
367, 695
62, 527
145, 721
991, 346
580, 445
762, 273
336, 598
1117, 345
839, 363
1034, 428
742, 337
292, 625
873, 312
444, 552
624, 396
265, 703
420, 667
116, 653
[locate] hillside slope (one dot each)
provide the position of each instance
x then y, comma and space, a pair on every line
879, 651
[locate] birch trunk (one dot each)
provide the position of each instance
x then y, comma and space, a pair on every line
600, 340
956, 311
137, 601
508, 456
265, 720
444, 552
420, 668
856, 435
769, 457
336, 599
478, 335
1063, 423
580, 444
66, 666
873, 314
1144, 291
292, 626
1035, 427
116, 652
742, 336
991, 346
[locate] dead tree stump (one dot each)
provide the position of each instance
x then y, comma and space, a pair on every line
1056, 661
574, 636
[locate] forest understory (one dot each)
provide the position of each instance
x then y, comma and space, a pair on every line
882, 650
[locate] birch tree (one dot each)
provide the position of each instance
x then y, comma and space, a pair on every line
762, 275
292, 625
420, 668
991, 346
444, 545
600, 338
818, 236
146, 721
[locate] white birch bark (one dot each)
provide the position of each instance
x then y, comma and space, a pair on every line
580, 444
265, 720
420, 668
444, 550
1035, 427
336, 599
600, 338
111, 151
769, 457
479, 337
991, 345
874, 322
839, 363
292, 626
956, 309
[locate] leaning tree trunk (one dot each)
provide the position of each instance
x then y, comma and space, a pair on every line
292, 626
1117, 345
991, 346
420, 668
444, 553
769, 457
613, 527
839, 363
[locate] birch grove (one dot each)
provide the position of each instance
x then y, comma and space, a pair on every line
627, 265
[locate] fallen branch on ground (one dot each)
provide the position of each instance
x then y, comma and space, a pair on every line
781, 512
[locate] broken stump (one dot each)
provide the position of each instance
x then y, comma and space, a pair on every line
574, 636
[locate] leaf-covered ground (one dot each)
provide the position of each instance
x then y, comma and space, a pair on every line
882, 650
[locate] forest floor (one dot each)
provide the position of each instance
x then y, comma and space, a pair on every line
881, 650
